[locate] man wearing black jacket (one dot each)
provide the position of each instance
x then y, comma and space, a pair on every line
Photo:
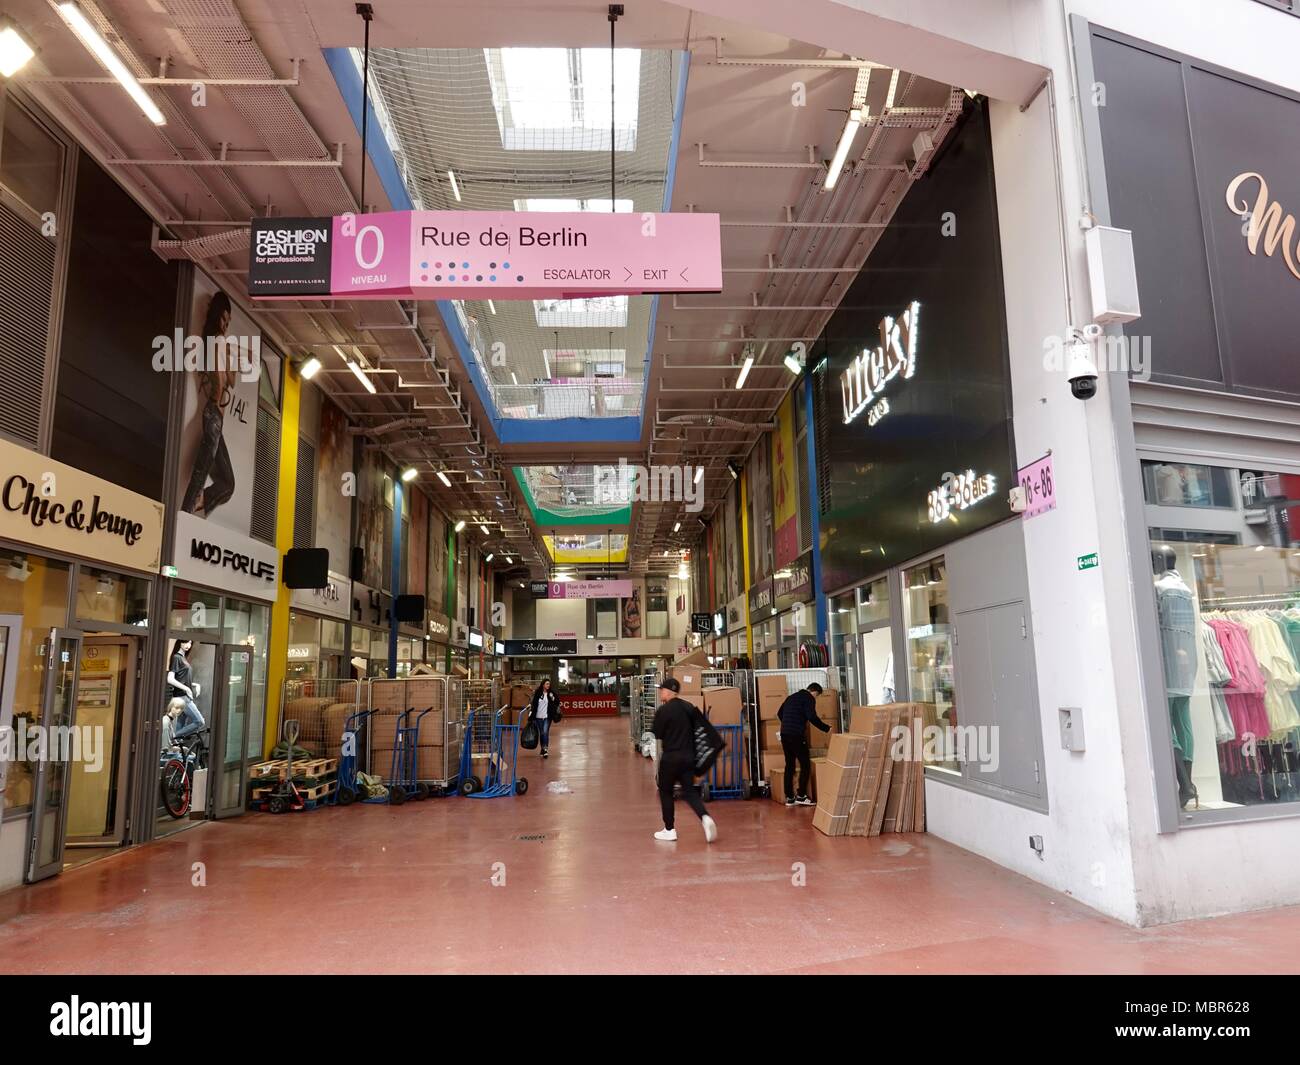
796, 714
674, 725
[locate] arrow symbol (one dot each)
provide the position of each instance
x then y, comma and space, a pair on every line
629, 274
683, 274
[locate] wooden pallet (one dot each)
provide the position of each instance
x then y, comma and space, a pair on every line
314, 793
303, 769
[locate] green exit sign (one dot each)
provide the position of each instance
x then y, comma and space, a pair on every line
170, 571
1088, 561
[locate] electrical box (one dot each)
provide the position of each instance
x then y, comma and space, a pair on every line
1112, 275
1071, 727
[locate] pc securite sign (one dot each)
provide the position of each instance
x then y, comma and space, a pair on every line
485, 255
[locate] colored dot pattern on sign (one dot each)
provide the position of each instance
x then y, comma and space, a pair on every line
453, 265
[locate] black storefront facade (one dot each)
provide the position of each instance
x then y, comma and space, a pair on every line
923, 560
1200, 163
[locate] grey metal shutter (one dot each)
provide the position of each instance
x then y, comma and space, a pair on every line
304, 503
266, 475
1192, 425
26, 288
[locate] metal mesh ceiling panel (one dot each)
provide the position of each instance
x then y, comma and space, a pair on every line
510, 129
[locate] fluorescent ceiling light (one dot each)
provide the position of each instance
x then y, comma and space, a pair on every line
509, 561
514, 378
851, 125
460, 525
109, 60
442, 476
310, 368
490, 557
14, 50
455, 188
410, 474
484, 528
547, 364
792, 363
699, 474
677, 527
492, 307
744, 371
361, 376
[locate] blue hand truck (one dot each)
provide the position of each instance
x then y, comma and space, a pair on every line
502, 774
349, 789
725, 779
402, 782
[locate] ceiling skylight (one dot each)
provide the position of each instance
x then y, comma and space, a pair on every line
600, 206
557, 99
596, 312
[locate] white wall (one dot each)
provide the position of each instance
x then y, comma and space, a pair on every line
13, 851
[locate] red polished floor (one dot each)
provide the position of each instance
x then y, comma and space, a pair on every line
409, 889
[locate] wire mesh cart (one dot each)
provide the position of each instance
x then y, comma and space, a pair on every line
491, 732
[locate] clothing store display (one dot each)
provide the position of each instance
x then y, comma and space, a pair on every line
1216, 671
1180, 717
1281, 676
1245, 692
1176, 607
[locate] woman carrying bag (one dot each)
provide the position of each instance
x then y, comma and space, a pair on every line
544, 709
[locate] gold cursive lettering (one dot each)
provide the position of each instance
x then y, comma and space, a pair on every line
1265, 218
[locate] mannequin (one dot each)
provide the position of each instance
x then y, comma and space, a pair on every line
1176, 607
182, 685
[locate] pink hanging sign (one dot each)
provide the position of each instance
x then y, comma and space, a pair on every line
1040, 487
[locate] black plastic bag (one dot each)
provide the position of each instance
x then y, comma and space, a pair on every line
529, 736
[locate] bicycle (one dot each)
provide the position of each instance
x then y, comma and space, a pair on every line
177, 765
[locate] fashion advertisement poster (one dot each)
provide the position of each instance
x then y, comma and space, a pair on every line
222, 362
437, 560
418, 552
370, 519
632, 608
333, 503
785, 487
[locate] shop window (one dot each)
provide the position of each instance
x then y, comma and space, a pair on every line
333, 635
1185, 484
929, 645
36, 590
602, 619
304, 646
195, 611
873, 602
113, 597
1228, 616
656, 612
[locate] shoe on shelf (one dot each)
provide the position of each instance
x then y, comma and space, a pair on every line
668, 835
803, 800
789, 800
710, 828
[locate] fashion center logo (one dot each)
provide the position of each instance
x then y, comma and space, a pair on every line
867, 375
1266, 219
290, 244
20, 496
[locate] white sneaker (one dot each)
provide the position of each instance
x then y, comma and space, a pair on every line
710, 828
668, 835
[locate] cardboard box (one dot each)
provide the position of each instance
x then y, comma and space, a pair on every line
697, 659
830, 823
772, 692
388, 695
828, 708
771, 737
425, 692
847, 749
690, 680
723, 706
774, 761
428, 763
860, 717
383, 728
776, 783
520, 696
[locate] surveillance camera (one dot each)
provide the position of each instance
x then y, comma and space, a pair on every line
1092, 331
1083, 372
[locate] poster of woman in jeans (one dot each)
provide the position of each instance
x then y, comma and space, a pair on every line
218, 434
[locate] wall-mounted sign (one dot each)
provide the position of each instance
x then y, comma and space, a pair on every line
459, 633
485, 255
959, 491
590, 590
210, 555
794, 583
334, 600
607, 647
538, 589
863, 381
50, 505
1039, 485
760, 600
1089, 561
681, 604
303, 652
702, 623
577, 705
439, 627
736, 613
475, 638
522, 648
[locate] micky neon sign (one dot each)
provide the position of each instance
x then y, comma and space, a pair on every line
865, 378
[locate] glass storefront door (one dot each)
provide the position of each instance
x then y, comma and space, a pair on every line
58, 719
106, 700
230, 740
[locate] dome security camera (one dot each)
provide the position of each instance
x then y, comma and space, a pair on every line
1081, 370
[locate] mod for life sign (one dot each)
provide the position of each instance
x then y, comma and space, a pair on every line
486, 255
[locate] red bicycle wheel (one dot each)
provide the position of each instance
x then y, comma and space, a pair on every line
176, 788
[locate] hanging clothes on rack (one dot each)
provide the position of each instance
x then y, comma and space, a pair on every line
1218, 674
1273, 654
1245, 692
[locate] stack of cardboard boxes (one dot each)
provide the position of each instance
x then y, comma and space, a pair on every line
388, 699
773, 690
725, 706
874, 780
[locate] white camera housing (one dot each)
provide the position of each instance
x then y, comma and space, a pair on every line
1081, 370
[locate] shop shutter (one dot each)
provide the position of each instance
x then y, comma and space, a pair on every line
266, 475
26, 285
304, 503
1191, 425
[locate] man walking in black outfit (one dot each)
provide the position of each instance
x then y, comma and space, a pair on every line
796, 714
674, 725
